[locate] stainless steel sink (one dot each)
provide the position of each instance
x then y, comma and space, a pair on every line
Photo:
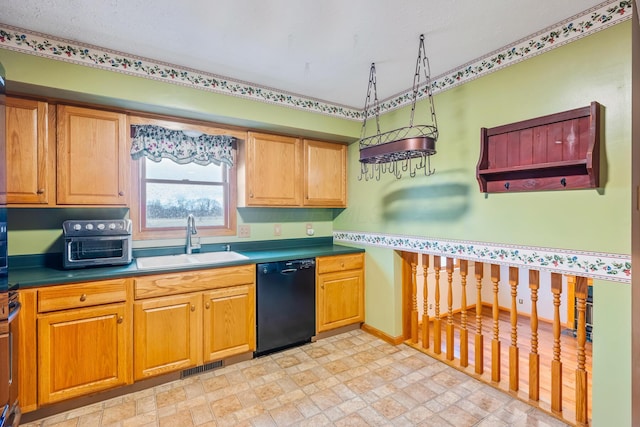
169, 261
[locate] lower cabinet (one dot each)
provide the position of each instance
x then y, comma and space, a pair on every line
205, 316
165, 336
339, 291
83, 339
229, 326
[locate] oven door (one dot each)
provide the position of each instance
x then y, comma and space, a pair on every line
103, 250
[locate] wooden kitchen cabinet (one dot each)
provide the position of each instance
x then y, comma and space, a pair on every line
275, 170
339, 291
229, 325
92, 155
325, 174
269, 172
30, 152
166, 334
82, 348
186, 319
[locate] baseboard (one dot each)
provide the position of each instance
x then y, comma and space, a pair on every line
382, 335
336, 331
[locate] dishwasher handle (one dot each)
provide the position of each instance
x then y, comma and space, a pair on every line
288, 270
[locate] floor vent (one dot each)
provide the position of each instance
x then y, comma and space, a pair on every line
201, 369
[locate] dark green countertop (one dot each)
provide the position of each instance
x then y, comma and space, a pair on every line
31, 271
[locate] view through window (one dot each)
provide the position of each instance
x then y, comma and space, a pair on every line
171, 191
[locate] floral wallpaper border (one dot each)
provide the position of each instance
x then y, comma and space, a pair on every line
574, 28
613, 267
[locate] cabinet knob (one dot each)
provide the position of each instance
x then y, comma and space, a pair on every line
120, 193
251, 194
193, 307
342, 264
207, 305
83, 297
40, 191
120, 319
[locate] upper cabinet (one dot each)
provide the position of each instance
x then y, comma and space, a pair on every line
92, 157
283, 171
269, 171
30, 152
325, 174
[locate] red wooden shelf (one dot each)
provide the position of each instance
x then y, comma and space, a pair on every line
554, 152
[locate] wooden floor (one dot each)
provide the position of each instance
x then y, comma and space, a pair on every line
568, 356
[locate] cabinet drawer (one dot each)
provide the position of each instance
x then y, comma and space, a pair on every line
339, 263
81, 295
193, 281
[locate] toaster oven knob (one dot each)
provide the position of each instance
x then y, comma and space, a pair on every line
112, 226
89, 226
101, 226
77, 227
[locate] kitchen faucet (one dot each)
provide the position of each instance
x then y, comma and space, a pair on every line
191, 230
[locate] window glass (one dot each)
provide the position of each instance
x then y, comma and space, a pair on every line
168, 169
171, 191
168, 205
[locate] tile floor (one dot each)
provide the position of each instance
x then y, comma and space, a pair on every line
352, 379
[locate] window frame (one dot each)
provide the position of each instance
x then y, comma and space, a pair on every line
138, 182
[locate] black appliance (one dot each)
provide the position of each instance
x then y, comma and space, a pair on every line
9, 305
93, 243
286, 304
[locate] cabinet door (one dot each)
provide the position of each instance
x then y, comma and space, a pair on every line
166, 334
325, 174
229, 322
92, 157
273, 166
29, 162
340, 299
82, 351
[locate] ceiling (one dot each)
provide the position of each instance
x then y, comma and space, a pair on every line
317, 49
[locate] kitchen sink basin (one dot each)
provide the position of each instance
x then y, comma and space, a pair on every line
181, 260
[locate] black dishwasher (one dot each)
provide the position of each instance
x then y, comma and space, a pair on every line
286, 304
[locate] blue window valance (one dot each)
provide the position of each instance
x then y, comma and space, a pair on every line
156, 142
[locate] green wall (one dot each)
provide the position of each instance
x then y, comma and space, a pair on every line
449, 205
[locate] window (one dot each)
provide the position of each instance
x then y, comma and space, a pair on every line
165, 192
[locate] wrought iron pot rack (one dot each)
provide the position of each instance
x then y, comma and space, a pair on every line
404, 149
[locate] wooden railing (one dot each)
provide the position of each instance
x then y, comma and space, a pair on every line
531, 350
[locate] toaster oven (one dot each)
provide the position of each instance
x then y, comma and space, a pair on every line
93, 243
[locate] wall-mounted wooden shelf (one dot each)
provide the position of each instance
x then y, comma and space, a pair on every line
555, 152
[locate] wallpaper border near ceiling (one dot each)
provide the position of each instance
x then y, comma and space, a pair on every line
604, 266
574, 28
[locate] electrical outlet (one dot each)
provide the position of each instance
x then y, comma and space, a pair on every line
244, 230
430, 306
310, 230
277, 229
520, 301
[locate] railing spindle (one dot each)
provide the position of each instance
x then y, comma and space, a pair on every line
495, 343
450, 354
464, 342
514, 352
479, 338
582, 288
534, 357
425, 308
556, 364
437, 325
414, 299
